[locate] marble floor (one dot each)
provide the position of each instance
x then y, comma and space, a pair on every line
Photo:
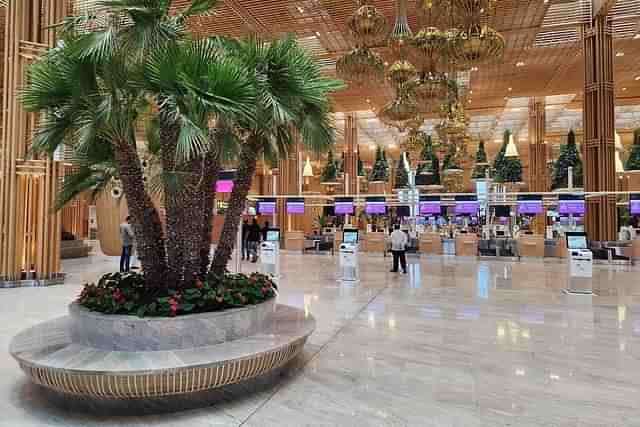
456, 342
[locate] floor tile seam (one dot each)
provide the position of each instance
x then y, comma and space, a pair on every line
332, 339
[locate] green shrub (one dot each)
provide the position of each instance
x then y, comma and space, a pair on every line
126, 293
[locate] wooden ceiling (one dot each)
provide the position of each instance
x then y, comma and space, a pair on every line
543, 35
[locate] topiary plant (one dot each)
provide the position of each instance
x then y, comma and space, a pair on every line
506, 169
360, 166
402, 175
569, 157
330, 171
428, 173
450, 161
633, 162
481, 166
380, 170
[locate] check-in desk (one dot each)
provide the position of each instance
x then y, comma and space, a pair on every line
531, 245
373, 242
466, 244
430, 243
294, 241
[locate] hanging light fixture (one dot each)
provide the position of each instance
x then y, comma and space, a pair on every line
361, 67
512, 149
401, 72
401, 37
399, 112
477, 45
368, 25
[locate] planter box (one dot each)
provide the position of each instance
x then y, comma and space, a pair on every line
132, 333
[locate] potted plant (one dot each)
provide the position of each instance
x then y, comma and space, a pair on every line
507, 169
402, 173
380, 171
481, 166
329, 174
569, 157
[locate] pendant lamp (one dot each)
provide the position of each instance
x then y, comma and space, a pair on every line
307, 172
512, 149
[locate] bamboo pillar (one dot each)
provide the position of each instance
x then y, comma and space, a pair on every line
289, 185
599, 128
350, 154
29, 233
538, 179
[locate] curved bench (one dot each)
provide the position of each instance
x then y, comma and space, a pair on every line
55, 355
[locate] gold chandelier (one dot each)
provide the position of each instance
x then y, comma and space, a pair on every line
401, 37
401, 72
368, 25
361, 67
415, 143
431, 43
454, 122
400, 112
478, 44
430, 89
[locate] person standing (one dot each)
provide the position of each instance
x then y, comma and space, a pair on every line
245, 244
264, 231
399, 243
253, 238
127, 237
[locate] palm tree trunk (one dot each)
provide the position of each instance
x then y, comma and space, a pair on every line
246, 169
146, 221
208, 191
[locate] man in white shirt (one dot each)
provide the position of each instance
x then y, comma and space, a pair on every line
127, 237
399, 243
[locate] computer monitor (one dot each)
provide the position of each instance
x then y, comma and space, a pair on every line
295, 206
576, 240
273, 235
350, 236
267, 207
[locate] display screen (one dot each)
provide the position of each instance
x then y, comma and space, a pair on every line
295, 206
350, 236
570, 204
273, 235
429, 205
634, 204
576, 241
375, 205
343, 206
224, 184
530, 205
467, 205
267, 207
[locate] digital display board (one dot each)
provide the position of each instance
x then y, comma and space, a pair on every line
350, 236
224, 184
430, 205
571, 204
375, 206
530, 204
576, 240
295, 206
634, 204
267, 207
467, 205
343, 206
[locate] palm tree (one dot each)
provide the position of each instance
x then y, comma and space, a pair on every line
94, 90
292, 95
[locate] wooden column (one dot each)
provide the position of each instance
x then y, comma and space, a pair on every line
538, 179
29, 233
350, 154
289, 184
599, 128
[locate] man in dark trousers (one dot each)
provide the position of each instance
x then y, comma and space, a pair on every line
264, 231
245, 245
253, 238
399, 243
127, 237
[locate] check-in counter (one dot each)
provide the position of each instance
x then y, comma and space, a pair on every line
337, 241
294, 241
466, 244
636, 248
430, 243
531, 245
373, 242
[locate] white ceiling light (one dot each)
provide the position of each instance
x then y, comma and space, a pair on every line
620, 54
512, 149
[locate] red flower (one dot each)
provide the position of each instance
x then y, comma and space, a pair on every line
199, 284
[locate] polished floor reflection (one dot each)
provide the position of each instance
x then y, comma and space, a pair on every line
456, 342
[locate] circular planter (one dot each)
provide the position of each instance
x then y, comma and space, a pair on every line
110, 357
132, 333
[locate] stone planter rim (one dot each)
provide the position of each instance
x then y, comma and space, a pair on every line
76, 307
